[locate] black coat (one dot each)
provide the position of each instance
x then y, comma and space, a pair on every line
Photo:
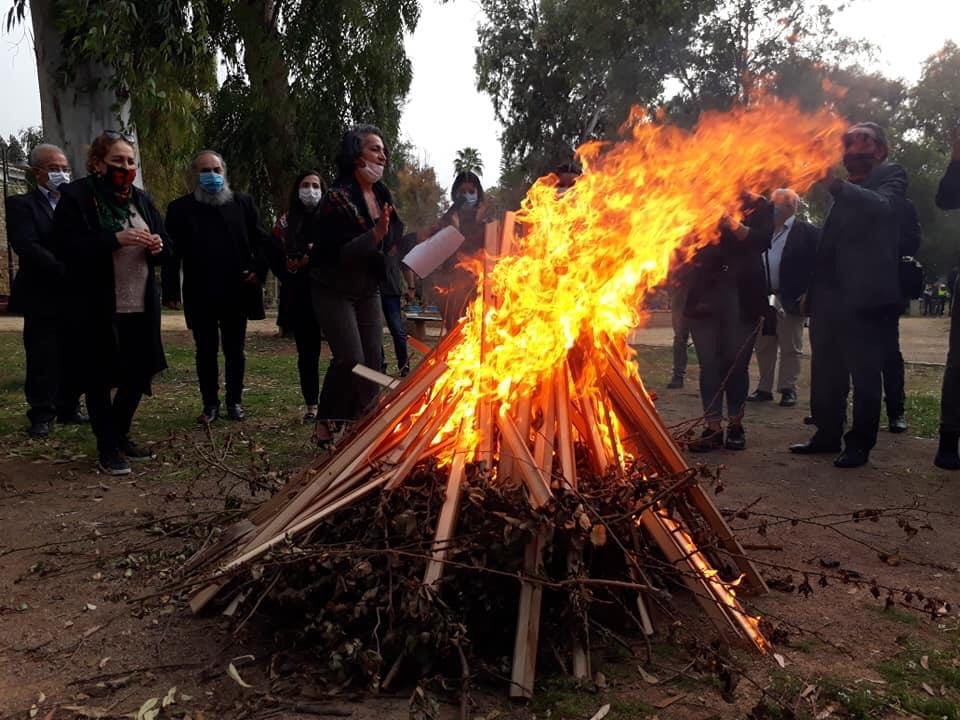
38, 285
86, 251
218, 246
346, 258
796, 264
948, 193
858, 255
736, 261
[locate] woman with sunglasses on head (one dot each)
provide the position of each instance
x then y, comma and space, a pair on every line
293, 236
110, 237
356, 225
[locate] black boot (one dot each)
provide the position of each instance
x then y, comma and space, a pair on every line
947, 456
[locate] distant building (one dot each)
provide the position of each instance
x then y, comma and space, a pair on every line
15, 184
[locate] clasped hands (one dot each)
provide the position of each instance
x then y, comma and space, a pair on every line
152, 242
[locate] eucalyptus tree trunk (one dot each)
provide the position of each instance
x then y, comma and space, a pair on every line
74, 112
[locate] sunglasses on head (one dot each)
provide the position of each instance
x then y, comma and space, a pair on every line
115, 135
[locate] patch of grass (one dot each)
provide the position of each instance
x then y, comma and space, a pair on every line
895, 614
923, 414
565, 699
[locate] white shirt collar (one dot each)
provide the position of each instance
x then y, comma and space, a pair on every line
48, 194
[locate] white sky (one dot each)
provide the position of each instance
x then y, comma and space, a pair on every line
444, 112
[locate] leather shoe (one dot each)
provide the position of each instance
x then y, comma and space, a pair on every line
851, 457
788, 398
808, 420
39, 429
736, 438
209, 414
898, 425
760, 396
675, 384
74, 418
815, 446
235, 412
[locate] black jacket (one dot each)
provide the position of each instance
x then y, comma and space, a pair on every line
736, 261
796, 264
858, 255
86, 251
948, 193
218, 246
37, 287
346, 258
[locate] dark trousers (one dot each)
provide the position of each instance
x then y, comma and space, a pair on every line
111, 417
307, 336
52, 390
848, 344
950, 393
681, 331
353, 328
228, 328
724, 344
894, 390
394, 318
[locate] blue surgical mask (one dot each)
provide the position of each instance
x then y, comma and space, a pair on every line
469, 198
211, 182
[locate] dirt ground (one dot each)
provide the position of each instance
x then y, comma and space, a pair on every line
76, 547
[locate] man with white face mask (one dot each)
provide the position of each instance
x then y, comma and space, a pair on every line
36, 294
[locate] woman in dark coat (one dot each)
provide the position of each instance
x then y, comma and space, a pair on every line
356, 222
110, 238
293, 236
725, 303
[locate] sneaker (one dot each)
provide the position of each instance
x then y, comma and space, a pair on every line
736, 438
113, 463
675, 384
235, 412
788, 398
132, 451
760, 396
898, 424
209, 414
405, 370
709, 440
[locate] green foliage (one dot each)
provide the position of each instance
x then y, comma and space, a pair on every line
418, 196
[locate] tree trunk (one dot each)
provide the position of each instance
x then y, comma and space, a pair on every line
268, 74
75, 113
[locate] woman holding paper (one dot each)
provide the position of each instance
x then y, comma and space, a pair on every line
356, 222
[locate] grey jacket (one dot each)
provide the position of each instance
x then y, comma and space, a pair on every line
859, 249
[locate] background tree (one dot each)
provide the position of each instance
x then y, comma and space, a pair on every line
418, 196
468, 160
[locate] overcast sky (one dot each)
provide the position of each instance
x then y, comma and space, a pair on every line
444, 112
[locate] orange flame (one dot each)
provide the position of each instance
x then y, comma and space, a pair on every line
586, 260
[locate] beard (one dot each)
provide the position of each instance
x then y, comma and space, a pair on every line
222, 197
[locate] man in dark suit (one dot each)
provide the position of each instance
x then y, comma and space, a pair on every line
223, 249
788, 265
37, 295
855, 297
948, 458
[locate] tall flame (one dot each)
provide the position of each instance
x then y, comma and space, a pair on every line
584, 261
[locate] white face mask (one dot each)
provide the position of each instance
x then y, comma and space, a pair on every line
310, 196
372, 173
56, 178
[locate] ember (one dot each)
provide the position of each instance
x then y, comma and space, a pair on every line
540, 369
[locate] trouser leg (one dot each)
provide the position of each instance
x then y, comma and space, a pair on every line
338, 323
42, 353
133, 332
306, 334
766, 360
681, 331
738, 342
867, 335
790, 341
370, 326
706, 340
829, 376
950, 391
394, 319
233, 336
206, 338
894, 389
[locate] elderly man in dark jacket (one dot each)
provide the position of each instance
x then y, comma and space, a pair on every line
948, 458
855, 297
50, 386
224, 251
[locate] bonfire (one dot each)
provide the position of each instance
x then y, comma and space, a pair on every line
539, 374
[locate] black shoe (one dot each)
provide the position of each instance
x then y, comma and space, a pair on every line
808, 420
675, 384
709, 440
404, 371
235, 412
760, 396
947, 456
898, 424
736, 438
788, 398
815, 446
74, 418
132, 451
113, 463
209, 414
851, 457
39, 429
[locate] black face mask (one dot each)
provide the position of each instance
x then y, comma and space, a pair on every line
859, 165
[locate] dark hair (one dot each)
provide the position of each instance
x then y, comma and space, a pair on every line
878, 131
466, 177
295, 207
568, 167
351, 147
99, 148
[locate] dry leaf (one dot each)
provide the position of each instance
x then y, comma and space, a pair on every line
808, 690
149, 709
88, 712
170, 698
928, 690
232, 672
601, 713
91, 630
925, 662
780, 660
647, 677
103, 663
826, 712
598, 535
584, 521
90, 606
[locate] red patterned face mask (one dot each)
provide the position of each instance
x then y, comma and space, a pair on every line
120, 178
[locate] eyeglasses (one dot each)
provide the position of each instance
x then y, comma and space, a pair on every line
115, 135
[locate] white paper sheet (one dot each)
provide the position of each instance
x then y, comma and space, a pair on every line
430, 254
